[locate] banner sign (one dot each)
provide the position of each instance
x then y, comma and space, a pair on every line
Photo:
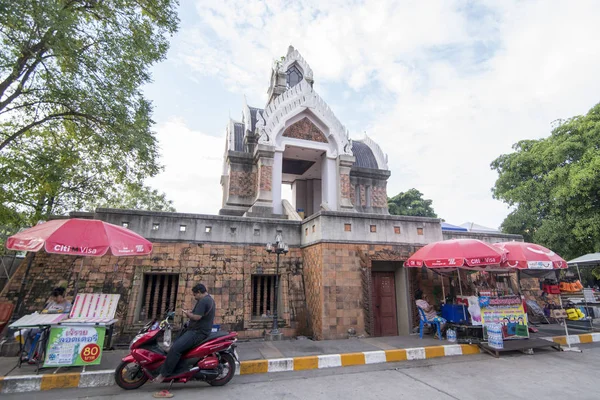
74, 346
507, 311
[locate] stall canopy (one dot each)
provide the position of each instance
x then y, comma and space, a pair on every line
588, 260
456, 253
80, 237
530, 256
77, 237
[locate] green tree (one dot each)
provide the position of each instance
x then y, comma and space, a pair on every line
75, 129
411, 203
553, 184
82, 62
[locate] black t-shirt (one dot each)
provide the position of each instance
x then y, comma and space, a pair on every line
205, 307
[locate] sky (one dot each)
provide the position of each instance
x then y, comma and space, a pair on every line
444, 87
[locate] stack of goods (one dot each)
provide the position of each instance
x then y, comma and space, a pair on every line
555, 311
570, 285
494, 333
550, 286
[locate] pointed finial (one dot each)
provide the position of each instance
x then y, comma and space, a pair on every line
290, 49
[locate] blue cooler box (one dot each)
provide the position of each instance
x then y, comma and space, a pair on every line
454, 313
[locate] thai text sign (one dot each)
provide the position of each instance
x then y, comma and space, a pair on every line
507, 311
71, 346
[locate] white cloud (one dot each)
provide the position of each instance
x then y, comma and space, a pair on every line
466, 79
193, 165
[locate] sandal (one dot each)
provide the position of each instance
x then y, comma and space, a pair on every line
163, 394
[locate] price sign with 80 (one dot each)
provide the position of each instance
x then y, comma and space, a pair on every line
90, 352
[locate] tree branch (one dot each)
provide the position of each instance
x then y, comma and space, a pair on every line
21, 85
47, 118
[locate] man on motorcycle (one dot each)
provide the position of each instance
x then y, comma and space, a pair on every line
200, 326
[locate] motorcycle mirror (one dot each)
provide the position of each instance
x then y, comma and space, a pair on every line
171, 314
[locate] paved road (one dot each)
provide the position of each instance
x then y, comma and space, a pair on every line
547, 374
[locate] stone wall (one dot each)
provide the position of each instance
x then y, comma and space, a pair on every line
340, 291
226, 270
313, 279
371, 187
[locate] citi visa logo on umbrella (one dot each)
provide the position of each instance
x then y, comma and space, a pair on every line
61, 248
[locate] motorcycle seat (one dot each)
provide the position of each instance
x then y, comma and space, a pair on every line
215, 335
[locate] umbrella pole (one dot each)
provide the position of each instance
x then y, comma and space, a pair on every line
461, 293
585, 300
77, 280
443, 290
21, 298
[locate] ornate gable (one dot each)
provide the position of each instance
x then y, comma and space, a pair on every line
305, 130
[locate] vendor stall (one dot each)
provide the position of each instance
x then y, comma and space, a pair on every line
493, 302
40, 322
91, 313
80, 339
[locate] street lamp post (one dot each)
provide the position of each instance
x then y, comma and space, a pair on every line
279, 247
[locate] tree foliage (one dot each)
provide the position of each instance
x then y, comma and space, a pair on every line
75, 129
554, 186
82, 62
411, 203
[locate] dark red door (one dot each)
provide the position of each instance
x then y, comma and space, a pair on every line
384, 304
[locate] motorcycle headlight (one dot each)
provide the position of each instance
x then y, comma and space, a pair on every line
135, 339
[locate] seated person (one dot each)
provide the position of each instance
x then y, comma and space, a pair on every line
57, 304
430, 314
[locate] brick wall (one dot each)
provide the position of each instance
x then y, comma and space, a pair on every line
379, 196
242, 183
306, 130
265, 177
325, 288
345, 285
345, 186
313, 279
226, 270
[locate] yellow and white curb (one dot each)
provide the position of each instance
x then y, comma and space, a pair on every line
576, 339
350, 359
32, 383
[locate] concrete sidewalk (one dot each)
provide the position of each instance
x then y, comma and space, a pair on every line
258, 357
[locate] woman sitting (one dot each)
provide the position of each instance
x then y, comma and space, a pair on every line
430, 313
57, 304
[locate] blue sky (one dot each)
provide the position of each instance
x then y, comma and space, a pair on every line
444, 87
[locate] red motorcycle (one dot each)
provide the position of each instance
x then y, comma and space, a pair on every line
212, 361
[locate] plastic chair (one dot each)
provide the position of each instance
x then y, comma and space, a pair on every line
423, 321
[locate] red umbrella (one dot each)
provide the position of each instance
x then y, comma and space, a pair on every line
470, 253
80, 237
522, 255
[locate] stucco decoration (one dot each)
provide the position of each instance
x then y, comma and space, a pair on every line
291, 103
293, 56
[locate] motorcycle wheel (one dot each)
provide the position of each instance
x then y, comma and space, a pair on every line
228, 364
128, 378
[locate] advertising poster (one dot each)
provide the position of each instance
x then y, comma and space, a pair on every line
506, 311
74, 346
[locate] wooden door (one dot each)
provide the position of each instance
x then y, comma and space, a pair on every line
384, 304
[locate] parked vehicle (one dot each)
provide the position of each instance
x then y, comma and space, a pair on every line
212, 361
